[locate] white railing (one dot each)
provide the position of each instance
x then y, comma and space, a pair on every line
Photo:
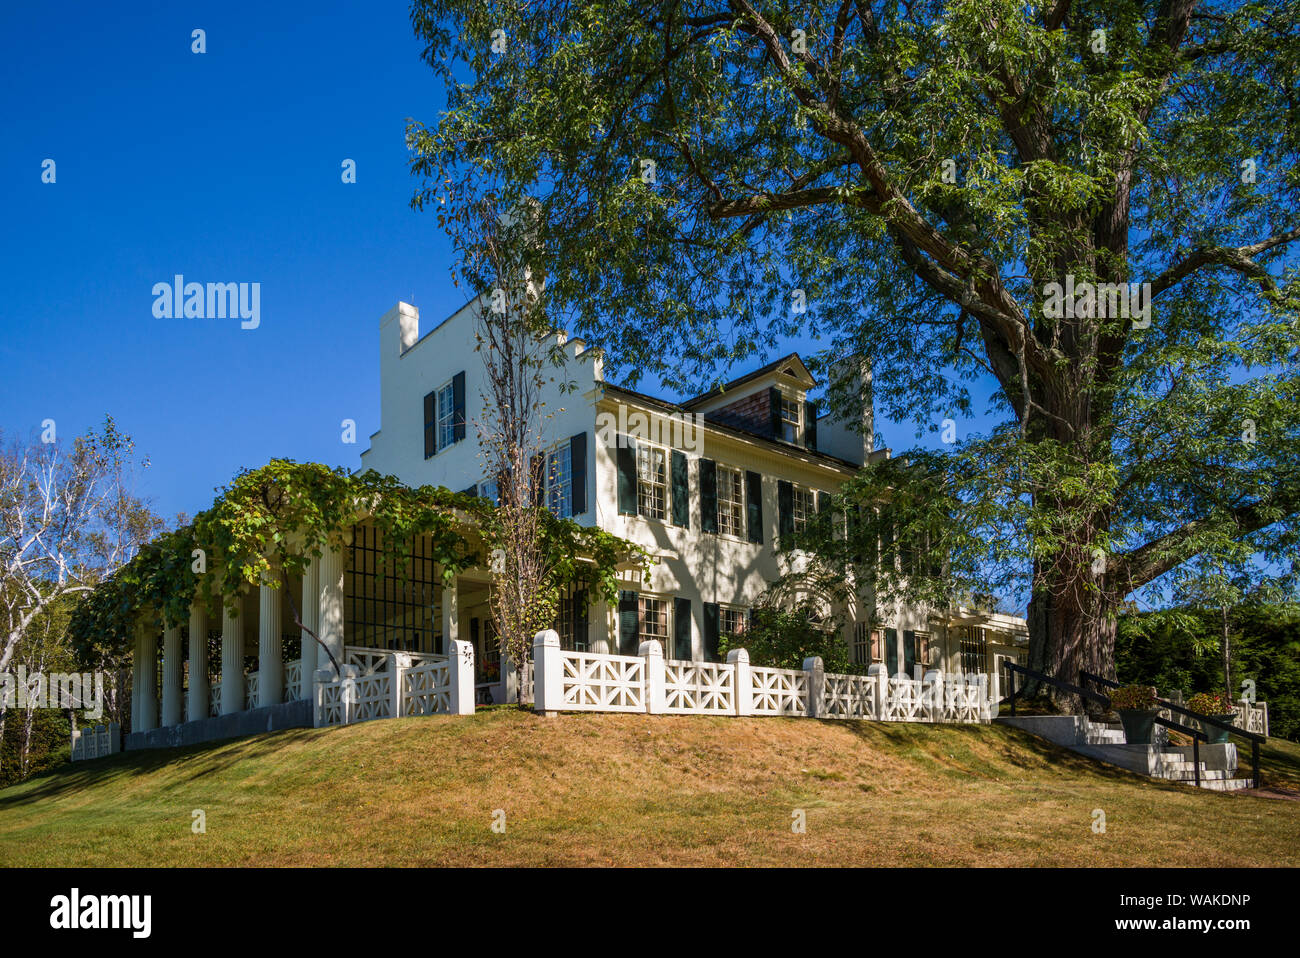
251, 682
214, 698
699, 688
593, 682
377, 684
1253, 717
850, 696
293, 681
778, 691
596, 682
95, 742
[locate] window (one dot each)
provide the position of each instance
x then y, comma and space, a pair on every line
488, 490
652, 619
731, 501
923, 648
791, 414
866, 644
571, 623
652, 482
559, 481
446, 416
974, 649
731, 621
804, 507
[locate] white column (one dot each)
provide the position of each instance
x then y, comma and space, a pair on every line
270, 663
147, 677
330, 605
816, 684
171, 692
656, 699
232, 659
198, 698
310, 618
548, 673
738, 659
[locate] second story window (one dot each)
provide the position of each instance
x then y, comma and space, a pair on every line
805, 507
731, 502
652, 482
446, 416
559, 481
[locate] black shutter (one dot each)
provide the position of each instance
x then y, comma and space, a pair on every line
625, 459
891, 651
810, 425
774, 401
754, 506
682, 629
580, 640
473, 635
627, 623
578, 472
472, 490
681, 490
823, 502
430, 424
708, 495
784, 508
711, 619
458, 406
887, 537
909, 650
853, 529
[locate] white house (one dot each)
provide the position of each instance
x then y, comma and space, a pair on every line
706, 486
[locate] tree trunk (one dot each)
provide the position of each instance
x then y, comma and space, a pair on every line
1071, 630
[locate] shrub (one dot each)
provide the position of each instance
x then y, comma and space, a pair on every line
1133, 697
1210, 703
783, 638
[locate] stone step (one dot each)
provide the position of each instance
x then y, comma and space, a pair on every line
1227, 784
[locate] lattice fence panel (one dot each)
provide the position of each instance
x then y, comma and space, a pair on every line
595, 682
699, 688
778, 691
426, 689
849, 696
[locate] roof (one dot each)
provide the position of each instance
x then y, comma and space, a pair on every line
776, 444
802, 372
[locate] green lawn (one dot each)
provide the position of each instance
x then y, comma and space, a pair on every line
636, 790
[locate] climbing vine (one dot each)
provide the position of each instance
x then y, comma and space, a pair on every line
268, 522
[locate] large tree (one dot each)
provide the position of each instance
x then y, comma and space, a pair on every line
921, 174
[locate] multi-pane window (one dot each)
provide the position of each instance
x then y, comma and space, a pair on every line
923, 648
652, 481
861, 643
488, 490
653, 618
559, 481
731, 621
446, 416
804, 505
731, 501
791, 413
973, 648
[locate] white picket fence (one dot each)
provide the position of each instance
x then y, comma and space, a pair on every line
377, 684
1253, 717
566, 681
96, 742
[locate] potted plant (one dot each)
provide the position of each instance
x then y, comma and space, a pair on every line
1216, 705
1136, 705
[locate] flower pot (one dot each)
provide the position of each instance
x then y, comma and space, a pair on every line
1139, 725
1216, 735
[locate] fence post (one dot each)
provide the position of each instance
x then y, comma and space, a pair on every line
932, 695
877, 674
742, 679
816, 684
348, 694
460, 673
320, 679
995, 694
548, 673
401, 662
656, 699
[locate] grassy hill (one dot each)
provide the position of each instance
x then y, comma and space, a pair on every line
633, 790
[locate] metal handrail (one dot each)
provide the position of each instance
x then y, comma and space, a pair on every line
1196, 734
1255, 740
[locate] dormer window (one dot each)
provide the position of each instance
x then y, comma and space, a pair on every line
791, 419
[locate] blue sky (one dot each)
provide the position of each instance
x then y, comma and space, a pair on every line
224, 167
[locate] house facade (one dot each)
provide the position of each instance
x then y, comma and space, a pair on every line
706, 486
